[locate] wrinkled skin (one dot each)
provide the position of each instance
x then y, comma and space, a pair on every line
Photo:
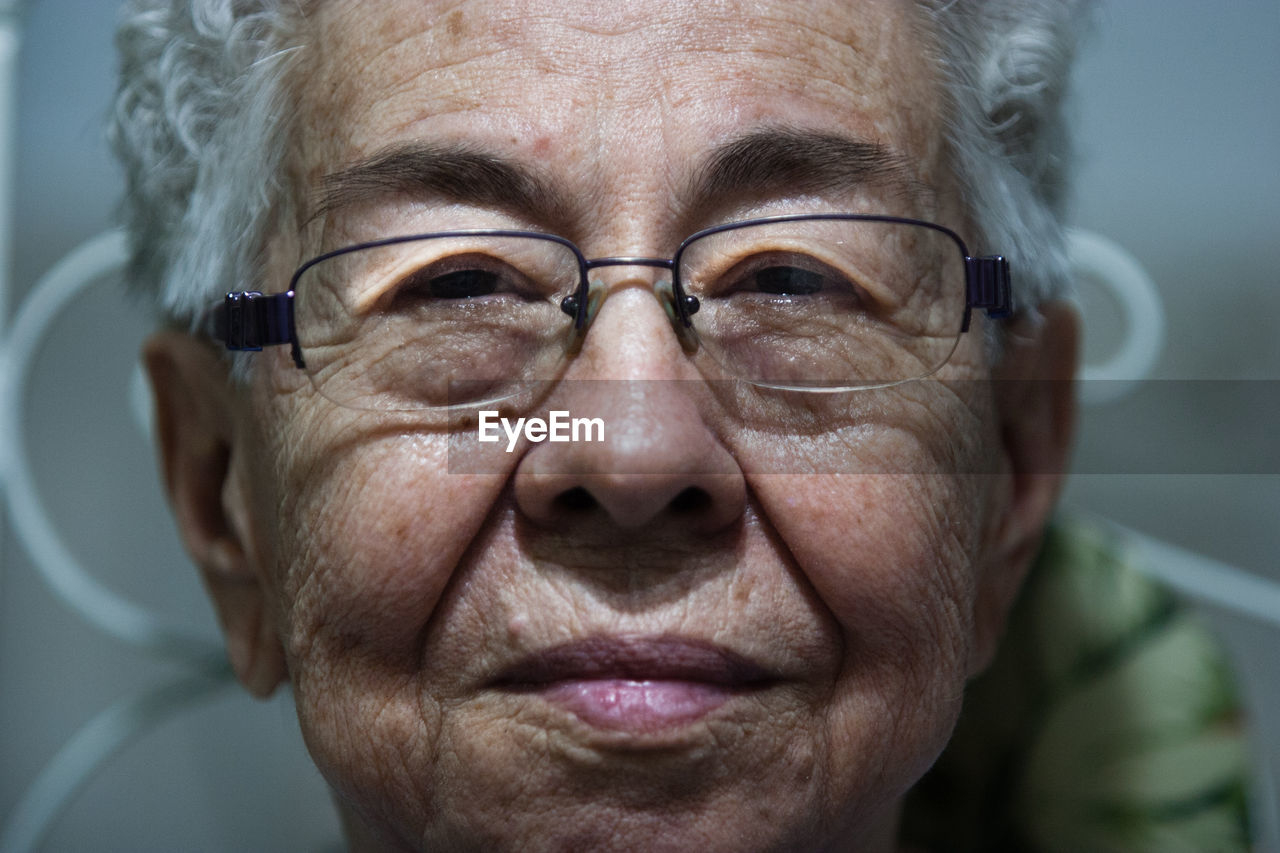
343, 556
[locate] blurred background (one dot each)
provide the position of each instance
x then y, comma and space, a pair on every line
1178, 129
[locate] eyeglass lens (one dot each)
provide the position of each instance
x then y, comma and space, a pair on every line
462, 319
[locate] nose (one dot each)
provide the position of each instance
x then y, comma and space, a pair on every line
679, 307
660, 467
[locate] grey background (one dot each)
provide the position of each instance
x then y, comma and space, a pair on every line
1179, 140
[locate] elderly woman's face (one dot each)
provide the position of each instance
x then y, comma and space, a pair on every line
707, 630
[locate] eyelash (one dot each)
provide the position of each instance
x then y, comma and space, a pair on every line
738, 279
419, 284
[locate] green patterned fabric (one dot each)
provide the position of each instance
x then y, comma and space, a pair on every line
1108, 722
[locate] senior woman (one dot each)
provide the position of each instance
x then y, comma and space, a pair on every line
757, 242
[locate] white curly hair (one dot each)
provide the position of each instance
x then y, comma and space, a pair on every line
203, 126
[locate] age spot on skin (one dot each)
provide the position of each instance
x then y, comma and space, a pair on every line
453, 24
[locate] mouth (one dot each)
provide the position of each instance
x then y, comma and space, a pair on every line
637, 684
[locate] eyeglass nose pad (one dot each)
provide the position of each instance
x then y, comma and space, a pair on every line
684, 331
596, 295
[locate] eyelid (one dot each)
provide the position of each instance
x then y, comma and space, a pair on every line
384, 288
378, 285
848, 280
511, 279
426, 284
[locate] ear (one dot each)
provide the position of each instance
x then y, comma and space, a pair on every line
195, 408
1035, 403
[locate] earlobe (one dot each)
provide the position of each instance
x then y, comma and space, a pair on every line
1035, 404
197, 442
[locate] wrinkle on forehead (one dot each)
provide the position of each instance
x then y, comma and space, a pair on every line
619, 97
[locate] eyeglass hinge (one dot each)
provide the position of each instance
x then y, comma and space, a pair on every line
989, 286
251, 321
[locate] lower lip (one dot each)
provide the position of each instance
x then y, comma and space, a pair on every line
642, 706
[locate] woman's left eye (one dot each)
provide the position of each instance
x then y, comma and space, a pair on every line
786, 280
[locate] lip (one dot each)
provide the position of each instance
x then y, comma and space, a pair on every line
638, 684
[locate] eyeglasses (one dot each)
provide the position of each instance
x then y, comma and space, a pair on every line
813, 302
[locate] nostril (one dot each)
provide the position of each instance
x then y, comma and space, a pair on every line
575, 500
691, 501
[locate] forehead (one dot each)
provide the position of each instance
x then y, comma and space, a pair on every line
617, 100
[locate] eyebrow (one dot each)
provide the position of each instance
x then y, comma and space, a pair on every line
787, 160
457, 172
761, 163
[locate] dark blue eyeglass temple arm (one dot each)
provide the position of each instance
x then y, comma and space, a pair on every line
987, 281
248, 320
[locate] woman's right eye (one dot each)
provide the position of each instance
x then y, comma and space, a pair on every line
459, 284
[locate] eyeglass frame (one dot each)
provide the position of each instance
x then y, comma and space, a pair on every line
249, 320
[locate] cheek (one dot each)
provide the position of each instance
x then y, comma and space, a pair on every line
891, 557
890, 526
369, 537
